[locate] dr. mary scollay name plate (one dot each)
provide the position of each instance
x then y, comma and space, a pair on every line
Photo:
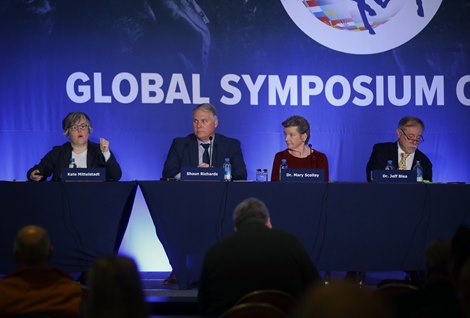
302, 175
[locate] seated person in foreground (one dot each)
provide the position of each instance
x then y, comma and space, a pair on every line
255, 257
115, 289
204, 148
298, 154
79, 151
404, 152
37, 288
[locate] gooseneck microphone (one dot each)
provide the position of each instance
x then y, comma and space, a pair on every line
211, 146
314, 158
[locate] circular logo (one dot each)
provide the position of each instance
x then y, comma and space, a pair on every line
361, 26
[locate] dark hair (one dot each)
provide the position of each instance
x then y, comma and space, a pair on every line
303, 127
207, 108
115, 289
410, 121
73, 118
251, 209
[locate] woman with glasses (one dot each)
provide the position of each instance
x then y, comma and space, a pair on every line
78, 152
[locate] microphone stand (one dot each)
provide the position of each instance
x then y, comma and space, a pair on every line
314, 159
210, 150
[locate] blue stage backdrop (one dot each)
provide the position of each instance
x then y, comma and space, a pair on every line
138, 67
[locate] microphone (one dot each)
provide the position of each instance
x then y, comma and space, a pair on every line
210, 151
314, 158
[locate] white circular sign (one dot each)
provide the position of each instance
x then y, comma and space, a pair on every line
361, 26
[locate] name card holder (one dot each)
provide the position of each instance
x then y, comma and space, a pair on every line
302, 175
393, 176
202, 174
83, 174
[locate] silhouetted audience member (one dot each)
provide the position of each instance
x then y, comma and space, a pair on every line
115, 289
438, 296
255, 257
464, 288
437, 256
37, 288
459, 251
340, 300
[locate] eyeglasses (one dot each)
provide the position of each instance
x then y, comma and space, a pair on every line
78, 127
418, 139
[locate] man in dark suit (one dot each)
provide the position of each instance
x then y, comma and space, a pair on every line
255, 257
204, 148
403, 153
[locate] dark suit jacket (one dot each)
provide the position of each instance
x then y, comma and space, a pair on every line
253, 258
184, 153
59, 158
383, 152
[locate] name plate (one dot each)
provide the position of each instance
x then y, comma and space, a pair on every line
302, 175
393, 176
202, 174
84, 174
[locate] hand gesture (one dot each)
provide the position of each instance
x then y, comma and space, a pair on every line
104, 145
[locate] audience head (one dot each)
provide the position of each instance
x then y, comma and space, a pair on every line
409, 132
32, 247
459, 251
296, 131
251, 210
115, 289
437, 259
339, 300
204, 121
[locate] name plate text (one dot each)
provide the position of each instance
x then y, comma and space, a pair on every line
302, 175
84, 174
393, 176
202, 174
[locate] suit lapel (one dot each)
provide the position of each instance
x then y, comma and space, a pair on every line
193, 149
89, 157
218, 149
395, 155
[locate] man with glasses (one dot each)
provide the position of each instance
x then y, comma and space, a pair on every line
403, 153
79, 152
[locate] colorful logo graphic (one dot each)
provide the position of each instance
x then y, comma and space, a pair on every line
361, 26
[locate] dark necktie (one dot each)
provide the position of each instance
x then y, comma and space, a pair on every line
205, 155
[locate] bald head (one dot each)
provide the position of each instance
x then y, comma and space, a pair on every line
32, 246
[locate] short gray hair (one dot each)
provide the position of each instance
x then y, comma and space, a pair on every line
410, 121
206, 107
251, 209
73, 118
303, 127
